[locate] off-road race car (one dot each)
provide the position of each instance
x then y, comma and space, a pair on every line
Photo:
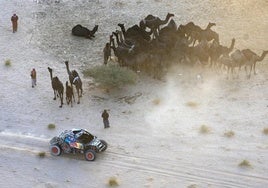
77, 141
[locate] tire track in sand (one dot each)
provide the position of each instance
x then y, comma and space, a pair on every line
22, 142
147, 164
178, 169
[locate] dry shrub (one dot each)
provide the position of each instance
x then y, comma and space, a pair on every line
229, 134
111, 76
42, 154
265, 131
113, 181
245, 163
51, 126
192, 186
156, 101
8, 63
192, 104
204, 129
119, 4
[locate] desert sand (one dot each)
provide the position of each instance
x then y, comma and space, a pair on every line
155, 139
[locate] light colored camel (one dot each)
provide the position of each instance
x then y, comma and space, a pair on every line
75, 79
251, 59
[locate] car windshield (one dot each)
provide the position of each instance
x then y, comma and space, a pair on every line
85, 138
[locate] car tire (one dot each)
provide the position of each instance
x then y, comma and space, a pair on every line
104, 143
55, 150
90, 155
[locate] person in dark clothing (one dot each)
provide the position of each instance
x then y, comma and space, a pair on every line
14, 20
33, 76
105, 117
107, 53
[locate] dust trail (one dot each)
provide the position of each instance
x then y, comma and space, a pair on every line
184, 86
23, 149
23, 136
22, 142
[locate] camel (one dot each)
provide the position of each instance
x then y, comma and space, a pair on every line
134, 36
81, 31
127, 43
208, 34
57, 87
121, 37
126, 53
170, 27
235, 59
154, 23
241, 58
191, 31
216, 50
75, 79
123, 51
169, 37
230, 63
251, 59
198, 53
69, 94
198, 34
135, 32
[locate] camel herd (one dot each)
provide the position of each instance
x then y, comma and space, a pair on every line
58, 87
154, 44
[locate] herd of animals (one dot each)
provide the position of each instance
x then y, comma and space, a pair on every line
155, 44
58, 87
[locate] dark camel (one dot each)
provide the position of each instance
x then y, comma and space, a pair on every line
69, 94
57, 87
209, 35
81, 31
198, 34
198, 53
134, 36
124, 43
154, 23
216, 50
230, 62
168, 36
122, 51
127, 53
75, 80
135, 32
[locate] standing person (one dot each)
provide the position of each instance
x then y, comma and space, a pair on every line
105, 117
33, 76
107, 52
14, 20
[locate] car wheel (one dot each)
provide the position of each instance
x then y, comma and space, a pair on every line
90, 155
104, 143
55, 150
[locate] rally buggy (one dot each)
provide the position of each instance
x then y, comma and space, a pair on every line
77, 141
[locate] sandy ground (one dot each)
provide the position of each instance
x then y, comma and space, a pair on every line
154, 139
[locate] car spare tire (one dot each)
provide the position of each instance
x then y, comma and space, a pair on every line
105, 144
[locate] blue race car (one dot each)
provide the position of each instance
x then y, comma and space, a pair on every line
77, 141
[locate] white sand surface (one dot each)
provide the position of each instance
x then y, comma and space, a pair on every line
154, 139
